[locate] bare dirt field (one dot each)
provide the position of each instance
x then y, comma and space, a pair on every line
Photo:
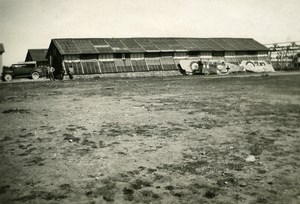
151, 140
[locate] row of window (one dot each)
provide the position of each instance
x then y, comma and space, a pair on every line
160, 54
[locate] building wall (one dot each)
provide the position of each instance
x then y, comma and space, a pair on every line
71, 57
28, 58
144, 62
55, 59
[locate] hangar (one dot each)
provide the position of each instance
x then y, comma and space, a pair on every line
123, 55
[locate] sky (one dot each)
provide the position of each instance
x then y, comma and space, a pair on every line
31, 24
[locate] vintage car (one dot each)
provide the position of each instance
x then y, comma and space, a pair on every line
23, 70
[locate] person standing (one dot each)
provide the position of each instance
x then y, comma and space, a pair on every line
200, 66
50, 71
62, 74
71, 72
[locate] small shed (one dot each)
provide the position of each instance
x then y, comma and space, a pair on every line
38, 55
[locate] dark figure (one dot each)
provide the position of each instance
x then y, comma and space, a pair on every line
50, 71
200, 65
71, 72
47, 73
62, 74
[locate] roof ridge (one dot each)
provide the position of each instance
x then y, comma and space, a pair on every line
151, 38
157, 44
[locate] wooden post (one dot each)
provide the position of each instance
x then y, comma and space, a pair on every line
131, 65
81, 67
147, 65
99, 67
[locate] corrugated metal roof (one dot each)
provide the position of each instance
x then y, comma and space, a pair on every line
161, 45
66, 46
132, 45
225, 45
101, 45
136, 45
37, 54
201, 44
253, 45
117, 45
213, 45
147, 45
187, 44
106, 50
173, 44
237, 44
85, 46
1, 48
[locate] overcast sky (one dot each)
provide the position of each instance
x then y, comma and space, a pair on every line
31, 24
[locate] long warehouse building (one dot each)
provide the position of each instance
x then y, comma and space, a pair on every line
119, 55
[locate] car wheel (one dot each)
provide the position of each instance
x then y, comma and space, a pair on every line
35, 75
7, 77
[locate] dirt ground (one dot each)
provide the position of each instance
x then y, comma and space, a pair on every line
183, 139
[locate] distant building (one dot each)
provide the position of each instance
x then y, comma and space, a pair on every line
1, 61
38, 55
117, 55
297, 60
284, 55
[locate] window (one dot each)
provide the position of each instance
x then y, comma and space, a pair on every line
240, 53
137, 56
229, 53
152, 54
180, 54
167, 54
72, 57
205, 54
105, 56
262, 53
88, 56
218, 54
251, 52
121, 55
193, 54
118, 55
246, 52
